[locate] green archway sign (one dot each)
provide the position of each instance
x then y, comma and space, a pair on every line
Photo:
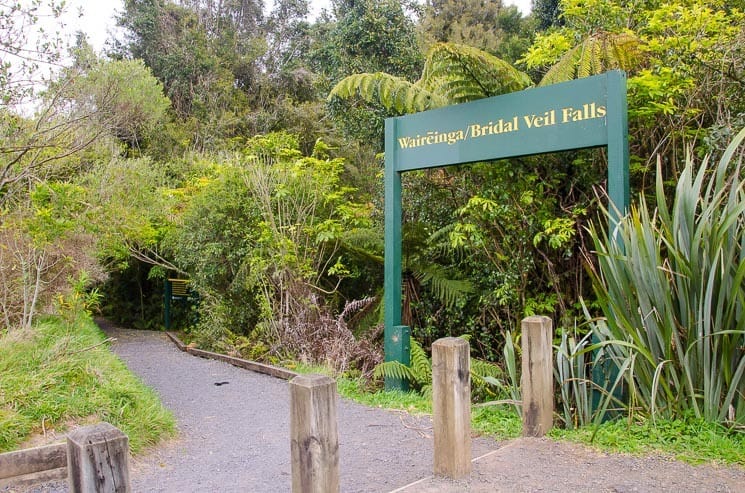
583, 113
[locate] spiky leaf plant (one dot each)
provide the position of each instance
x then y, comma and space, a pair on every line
672, 286
571, 373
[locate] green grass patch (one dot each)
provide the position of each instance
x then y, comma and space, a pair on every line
692, 440
500, 423
307, 369
55, 374
354, 389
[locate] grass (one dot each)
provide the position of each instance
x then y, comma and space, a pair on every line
692, 440
411, 402
54, 374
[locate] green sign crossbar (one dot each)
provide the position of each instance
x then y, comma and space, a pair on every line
584, 113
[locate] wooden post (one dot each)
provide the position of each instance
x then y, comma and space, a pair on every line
537, 380
98, 460
451, 407
314, 445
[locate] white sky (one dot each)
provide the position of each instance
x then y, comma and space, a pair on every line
98, 16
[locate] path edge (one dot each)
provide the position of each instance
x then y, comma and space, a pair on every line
254, 366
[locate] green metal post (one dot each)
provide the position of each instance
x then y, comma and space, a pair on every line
396, 349
618, 149
167, 294
605, 371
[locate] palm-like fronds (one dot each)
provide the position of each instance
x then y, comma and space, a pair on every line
596, 54
391, 92
452, 74
462, 73
443, 287
417, 373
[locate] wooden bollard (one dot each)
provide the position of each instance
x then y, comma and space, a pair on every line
98, 460
451, 407
314, 446
537, 380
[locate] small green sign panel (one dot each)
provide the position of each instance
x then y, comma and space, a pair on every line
589, 112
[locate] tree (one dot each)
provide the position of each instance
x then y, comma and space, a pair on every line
127, 101
684, 61
204, 76
487, 25
275, 242
44, 144
27, 49
218, 232
287, 37
133, 209
43, 245
367, 36
37, 132
547, 13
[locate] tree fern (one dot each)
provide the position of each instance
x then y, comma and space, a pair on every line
596, 54
462, 73
391, 92
445, 289
452, 74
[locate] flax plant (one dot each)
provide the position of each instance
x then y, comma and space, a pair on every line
575, 385
670, 282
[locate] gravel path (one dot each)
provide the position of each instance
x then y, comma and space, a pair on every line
235, 437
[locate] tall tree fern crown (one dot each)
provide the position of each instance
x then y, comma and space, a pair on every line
452, 74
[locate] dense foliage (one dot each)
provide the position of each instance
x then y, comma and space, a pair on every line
239, 148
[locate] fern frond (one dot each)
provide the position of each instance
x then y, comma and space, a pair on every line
391, 92
596, 54
596, 59
356, 305
482, 369
462, 73
448, 291
584, 63
419, 372
421, 366
394, 369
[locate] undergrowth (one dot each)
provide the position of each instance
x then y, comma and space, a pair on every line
60, 373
